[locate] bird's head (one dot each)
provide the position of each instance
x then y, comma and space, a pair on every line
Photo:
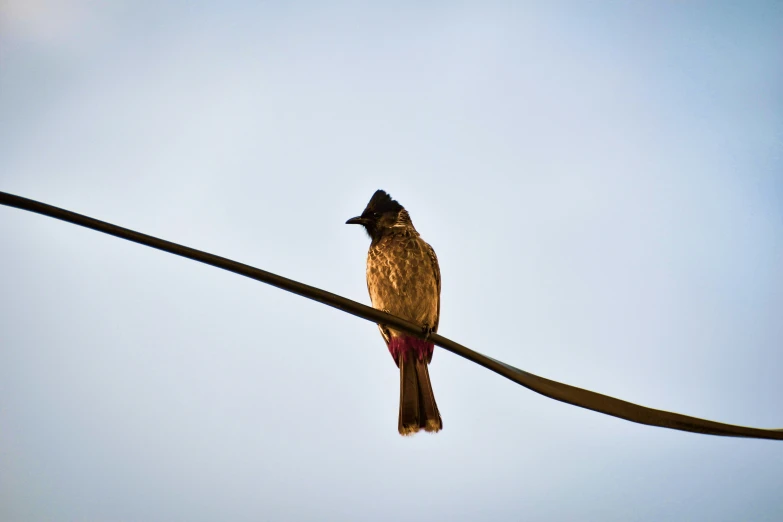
382, 213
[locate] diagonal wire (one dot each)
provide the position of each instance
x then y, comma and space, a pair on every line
552, 389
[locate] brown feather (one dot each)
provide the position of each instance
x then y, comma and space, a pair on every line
418, 409
428, 409
408, 422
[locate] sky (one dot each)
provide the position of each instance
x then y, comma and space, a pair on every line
602, 182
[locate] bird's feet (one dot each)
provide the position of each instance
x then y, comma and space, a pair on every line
426, 331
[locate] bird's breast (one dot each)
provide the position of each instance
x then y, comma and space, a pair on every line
401, 278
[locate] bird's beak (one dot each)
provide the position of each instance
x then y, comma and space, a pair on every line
358, 220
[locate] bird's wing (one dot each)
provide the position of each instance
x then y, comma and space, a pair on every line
436, 270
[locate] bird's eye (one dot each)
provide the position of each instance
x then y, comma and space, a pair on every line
376, 215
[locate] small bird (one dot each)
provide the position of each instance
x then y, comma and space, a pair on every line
403, 279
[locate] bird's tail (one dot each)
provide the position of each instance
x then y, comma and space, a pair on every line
418, 409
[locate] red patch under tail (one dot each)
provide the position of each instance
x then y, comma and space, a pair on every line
406, 347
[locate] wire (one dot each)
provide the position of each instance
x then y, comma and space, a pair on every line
552, 389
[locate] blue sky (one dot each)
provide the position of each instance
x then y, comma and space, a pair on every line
602, 184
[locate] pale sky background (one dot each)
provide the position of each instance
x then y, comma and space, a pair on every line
602, 182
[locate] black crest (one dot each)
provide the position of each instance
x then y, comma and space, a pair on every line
382, 213
381, 203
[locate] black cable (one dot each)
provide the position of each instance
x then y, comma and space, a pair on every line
552, 389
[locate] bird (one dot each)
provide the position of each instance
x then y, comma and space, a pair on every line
403, 279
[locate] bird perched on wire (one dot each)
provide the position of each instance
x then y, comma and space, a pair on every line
403, 278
